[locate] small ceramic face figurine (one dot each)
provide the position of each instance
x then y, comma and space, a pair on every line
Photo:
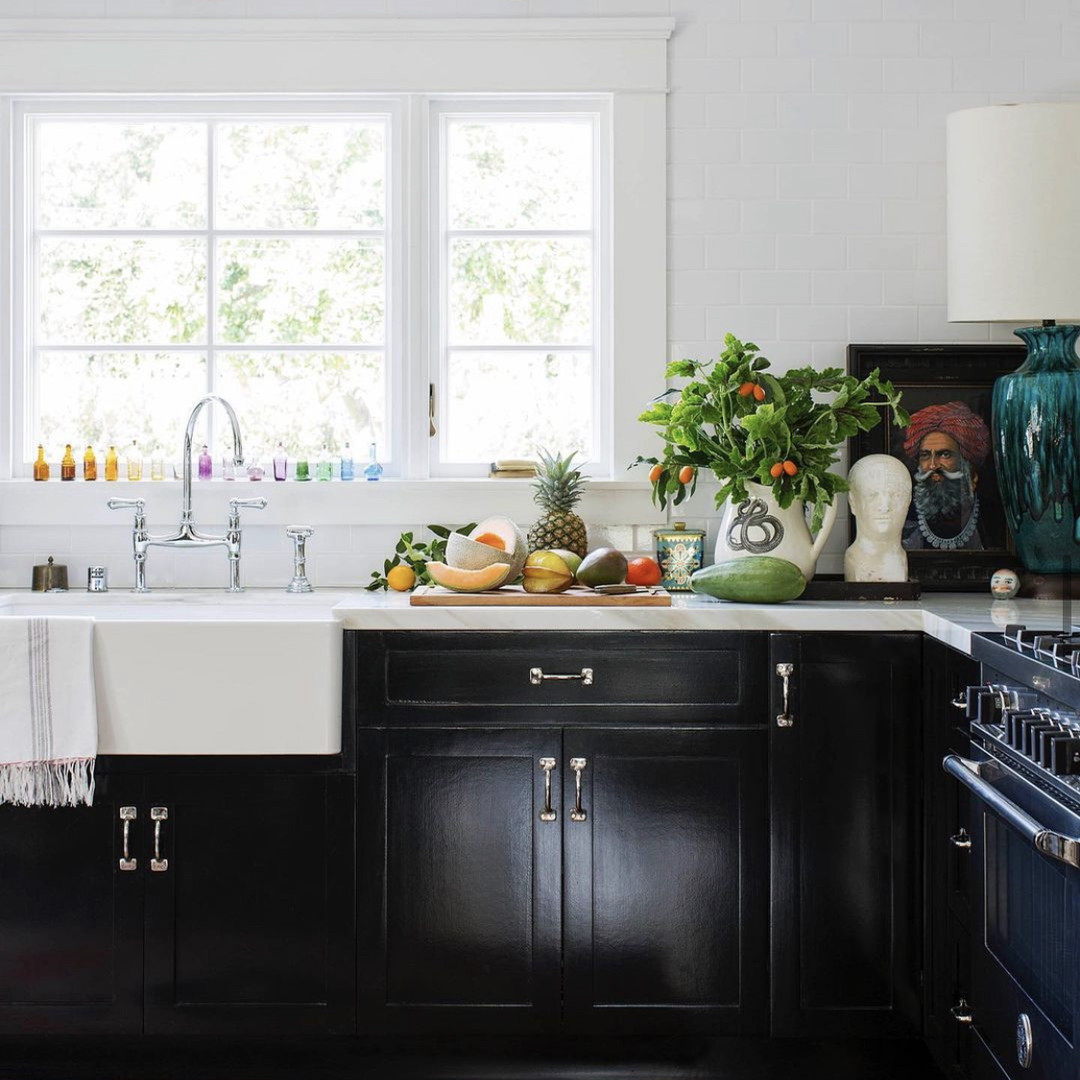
1005, 584
879, 498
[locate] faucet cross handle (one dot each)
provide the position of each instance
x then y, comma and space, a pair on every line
235, 506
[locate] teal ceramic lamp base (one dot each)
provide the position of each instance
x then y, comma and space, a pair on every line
1037, 449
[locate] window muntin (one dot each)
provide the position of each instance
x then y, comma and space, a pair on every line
522, 292
169, 256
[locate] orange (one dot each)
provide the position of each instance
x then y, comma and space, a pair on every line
686, 474
759, 393
655, 473
401, 578
790, 468
643, 571
746, 389
777, 470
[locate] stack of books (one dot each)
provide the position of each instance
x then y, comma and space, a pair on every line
513, 468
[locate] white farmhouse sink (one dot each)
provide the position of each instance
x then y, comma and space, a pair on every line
205, 672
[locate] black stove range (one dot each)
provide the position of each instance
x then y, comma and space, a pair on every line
1022, 775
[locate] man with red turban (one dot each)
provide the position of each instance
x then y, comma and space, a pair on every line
946, 444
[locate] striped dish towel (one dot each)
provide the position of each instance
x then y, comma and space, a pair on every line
48, 715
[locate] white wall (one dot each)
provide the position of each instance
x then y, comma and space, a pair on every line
806, 185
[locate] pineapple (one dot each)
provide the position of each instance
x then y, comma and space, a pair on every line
558, 489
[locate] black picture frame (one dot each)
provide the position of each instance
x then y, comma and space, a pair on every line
935, 374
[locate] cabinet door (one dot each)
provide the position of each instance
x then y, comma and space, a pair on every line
250, 907
946, 674
459, 915
846, 893
70, 917
666, 880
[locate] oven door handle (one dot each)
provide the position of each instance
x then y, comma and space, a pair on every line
973, 775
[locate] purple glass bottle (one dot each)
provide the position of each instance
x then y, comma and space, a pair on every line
281, 462
206, 464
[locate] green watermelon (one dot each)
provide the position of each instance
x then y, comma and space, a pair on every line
755, 579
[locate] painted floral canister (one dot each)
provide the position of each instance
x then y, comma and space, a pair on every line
679, 552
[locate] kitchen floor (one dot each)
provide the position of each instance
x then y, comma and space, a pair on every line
328, 1059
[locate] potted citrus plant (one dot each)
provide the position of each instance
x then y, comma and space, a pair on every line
771, 441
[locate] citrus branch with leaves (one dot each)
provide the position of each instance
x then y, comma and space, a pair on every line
745, 425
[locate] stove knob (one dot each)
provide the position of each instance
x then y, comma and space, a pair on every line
1065, 755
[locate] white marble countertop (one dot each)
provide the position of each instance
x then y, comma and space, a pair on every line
948, 617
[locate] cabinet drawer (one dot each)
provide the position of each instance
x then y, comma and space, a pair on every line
407, 676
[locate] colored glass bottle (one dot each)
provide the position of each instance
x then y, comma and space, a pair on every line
206, 464
67, 464
373, 470
41, 466
157, 468
348, 469
324, 467
134, 462
89, 464
302, 469
281, 462
112, 465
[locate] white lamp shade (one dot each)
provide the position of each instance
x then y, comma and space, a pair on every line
1013, 189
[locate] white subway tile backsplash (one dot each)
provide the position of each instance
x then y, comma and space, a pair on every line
775, 287
925, 73
745, 321
815, 322
740, 181
741, 110
775, 74
885, 39
814, 39
851, 147
883, 324
686, 252
848, 217
952, 39
994, 76
881, 253
847, 287
876, 111
809, 252
740, 251
776, 217
776, 146
814, 110
742, 39
812, 181
855, 75
702, 145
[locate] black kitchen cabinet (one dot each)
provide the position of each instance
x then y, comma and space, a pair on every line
249, 908
460, 905
71, 915
948, 862
487, 909
845, 811
665, 880
232, 914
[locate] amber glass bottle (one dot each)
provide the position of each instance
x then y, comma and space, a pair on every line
41, 466
89, 464
67, 464
112, 465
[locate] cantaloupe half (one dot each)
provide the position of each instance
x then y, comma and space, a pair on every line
459, 580
494, 540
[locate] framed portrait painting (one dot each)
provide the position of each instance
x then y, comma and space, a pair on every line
955, 532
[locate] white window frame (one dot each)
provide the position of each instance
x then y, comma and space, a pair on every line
597, 109
625, 58
28, 111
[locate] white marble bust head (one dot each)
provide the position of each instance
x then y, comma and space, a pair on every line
879, 498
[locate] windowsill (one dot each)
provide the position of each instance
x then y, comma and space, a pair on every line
403, 503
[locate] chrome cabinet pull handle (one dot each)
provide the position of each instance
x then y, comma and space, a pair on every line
578, 765
547, 814
537, 676
961, 1012
127, 815
785, 719
961, 840
158, 814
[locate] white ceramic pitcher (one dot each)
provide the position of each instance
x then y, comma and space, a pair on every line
758, 526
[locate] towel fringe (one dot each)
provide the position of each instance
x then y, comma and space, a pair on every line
48, 783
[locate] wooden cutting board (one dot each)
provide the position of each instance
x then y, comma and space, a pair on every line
516, 596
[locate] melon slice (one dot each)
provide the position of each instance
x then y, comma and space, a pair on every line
459, 580
482, 547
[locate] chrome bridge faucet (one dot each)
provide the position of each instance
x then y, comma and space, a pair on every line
187, 535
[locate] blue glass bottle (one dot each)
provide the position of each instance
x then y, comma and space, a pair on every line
373, 470
348, 469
